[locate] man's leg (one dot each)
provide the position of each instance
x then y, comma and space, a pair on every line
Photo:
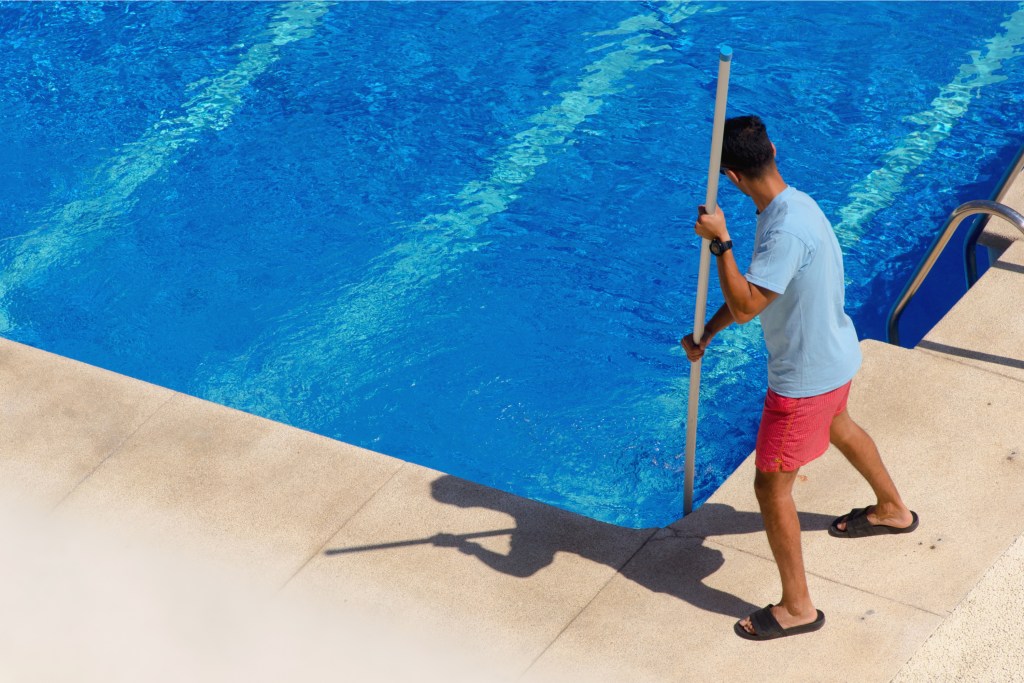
859, 448
775, 497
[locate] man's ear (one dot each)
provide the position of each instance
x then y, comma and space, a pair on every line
731, 175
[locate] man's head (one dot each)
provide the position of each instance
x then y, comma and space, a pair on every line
746, 149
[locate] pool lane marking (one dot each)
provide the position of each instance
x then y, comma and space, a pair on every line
362, 308
68, 230
879, 189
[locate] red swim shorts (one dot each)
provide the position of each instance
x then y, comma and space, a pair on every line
795, 431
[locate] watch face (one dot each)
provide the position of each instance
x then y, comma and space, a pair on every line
716, 247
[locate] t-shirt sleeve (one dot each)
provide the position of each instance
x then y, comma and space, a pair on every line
777, 260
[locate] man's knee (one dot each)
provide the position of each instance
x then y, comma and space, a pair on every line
843, 430
769, 486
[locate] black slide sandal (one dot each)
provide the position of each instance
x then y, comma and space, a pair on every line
858, 526
767, 626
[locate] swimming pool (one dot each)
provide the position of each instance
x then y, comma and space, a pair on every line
461, 233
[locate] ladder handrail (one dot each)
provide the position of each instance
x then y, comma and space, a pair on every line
971, 241
952, 223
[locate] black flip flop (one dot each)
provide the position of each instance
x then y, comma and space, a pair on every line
858, 526
767, 627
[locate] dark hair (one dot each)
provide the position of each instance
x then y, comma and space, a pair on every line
746, 147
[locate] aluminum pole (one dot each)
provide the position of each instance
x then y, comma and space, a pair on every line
711, 202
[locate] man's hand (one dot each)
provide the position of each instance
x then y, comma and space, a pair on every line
695, 351
711, 225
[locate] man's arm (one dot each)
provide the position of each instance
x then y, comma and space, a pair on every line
719, 321
745, 300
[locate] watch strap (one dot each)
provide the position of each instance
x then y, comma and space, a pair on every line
718, 247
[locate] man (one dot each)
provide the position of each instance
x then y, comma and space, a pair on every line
795, 283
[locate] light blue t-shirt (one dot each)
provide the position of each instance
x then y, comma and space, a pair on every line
812, 344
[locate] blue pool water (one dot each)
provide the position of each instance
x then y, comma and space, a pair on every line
461, 233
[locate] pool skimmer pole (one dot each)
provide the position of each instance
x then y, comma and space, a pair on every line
711, 203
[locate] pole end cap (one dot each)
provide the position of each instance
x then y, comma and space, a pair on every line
725, 53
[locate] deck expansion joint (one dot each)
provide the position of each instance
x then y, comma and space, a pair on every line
593, 597
839, 583
114, 450
320, 549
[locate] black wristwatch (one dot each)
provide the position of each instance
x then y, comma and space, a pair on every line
718, 247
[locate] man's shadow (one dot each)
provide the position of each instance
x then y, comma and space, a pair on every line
673, 560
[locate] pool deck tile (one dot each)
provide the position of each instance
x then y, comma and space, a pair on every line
971, 644
983, 328
506, 596
631, 634
53, 405
232, 486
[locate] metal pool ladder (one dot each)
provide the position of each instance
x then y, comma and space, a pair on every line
955, 218
989, 208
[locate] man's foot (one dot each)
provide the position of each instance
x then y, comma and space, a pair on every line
775, 621
783, 617
872, 521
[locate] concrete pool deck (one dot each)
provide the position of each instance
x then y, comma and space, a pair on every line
151, 535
